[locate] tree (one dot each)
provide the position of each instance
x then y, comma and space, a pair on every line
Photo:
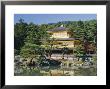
64, 51
20, 34
33, 35
50, 46
36, 38
44, 36
86, 33
29, 50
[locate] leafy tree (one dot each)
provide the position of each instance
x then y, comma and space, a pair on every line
50, 46
64, 51
29, 50
36, 38
33, 35
20, 30
86, 33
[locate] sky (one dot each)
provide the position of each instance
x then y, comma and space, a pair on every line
52, 18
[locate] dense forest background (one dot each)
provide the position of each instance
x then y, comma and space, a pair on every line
31, 39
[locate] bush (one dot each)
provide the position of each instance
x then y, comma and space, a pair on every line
16, 52
29, 50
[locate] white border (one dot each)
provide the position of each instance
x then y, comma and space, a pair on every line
100, 10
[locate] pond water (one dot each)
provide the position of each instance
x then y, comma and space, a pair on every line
55, 71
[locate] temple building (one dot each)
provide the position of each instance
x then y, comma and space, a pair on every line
62, 37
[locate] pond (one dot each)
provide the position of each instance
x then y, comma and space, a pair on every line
55, 71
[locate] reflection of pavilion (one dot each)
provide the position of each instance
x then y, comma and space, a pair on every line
62, 37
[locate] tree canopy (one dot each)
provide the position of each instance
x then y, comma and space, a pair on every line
29, 36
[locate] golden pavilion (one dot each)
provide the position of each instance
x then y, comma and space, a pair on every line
62, 37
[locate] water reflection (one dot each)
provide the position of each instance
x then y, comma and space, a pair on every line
55, 71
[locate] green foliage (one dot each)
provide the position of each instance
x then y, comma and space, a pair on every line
79, 51
94, 58
64, 51
32, 34
34, 37
37, 34
20, 30
16, 52
29, 50
30, 37
86, 32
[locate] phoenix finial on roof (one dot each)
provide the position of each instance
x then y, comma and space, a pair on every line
62, 25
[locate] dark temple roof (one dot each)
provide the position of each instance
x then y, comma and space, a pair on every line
58, 29
64, 39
